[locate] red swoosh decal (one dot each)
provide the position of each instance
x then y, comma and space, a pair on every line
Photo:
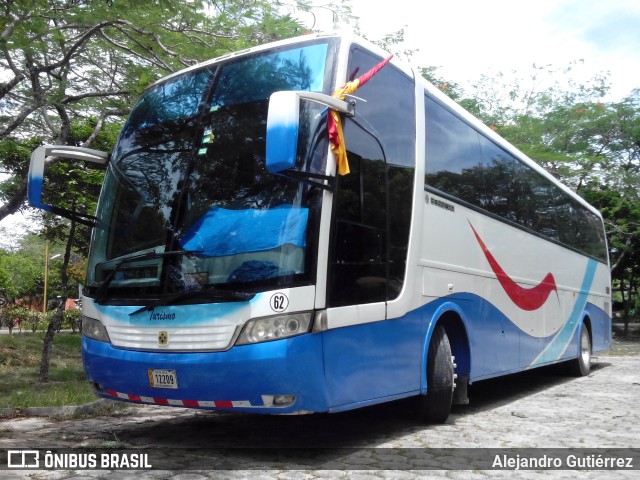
525, 298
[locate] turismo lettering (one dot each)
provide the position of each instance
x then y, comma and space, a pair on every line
162, 316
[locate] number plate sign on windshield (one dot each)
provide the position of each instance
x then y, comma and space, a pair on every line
163, 378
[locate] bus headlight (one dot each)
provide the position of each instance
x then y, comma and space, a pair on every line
274, 328
93, 328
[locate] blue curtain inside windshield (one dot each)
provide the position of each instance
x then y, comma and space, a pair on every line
223, 232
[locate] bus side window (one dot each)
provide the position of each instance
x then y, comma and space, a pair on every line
359, 253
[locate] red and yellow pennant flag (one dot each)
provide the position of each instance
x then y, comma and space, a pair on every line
334, 124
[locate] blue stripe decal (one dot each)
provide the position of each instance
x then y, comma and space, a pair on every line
178, 315
560, 342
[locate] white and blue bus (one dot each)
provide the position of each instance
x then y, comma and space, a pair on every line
232, 268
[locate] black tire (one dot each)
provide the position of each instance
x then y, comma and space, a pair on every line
435, 406
581, 366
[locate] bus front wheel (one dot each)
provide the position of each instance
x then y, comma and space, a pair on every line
435, 406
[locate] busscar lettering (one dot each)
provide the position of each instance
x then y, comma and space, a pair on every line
162, 316
439, 203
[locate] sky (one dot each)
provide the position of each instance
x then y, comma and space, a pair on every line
468, 38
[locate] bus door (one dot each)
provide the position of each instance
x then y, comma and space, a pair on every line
360, 361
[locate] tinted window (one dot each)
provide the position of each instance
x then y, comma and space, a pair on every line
468, 166
400, 181
453, 158
389, 106
540, 203
358, 265
508, 194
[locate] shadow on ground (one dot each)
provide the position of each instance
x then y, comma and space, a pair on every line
366, 427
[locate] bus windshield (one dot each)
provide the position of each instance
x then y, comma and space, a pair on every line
187, 202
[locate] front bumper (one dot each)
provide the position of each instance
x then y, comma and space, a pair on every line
249, 378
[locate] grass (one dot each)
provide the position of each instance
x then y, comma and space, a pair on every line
20, 370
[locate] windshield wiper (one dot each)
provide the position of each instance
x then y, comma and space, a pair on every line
210, 293
101, 292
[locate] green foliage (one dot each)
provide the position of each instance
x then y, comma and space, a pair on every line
22, 271
390, 42
21, 274
35, 321
15, 154
15, 316
72, 319
104, 139
14, 158
451, 89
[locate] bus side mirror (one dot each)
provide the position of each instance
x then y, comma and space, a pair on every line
283, 125
283, 121
35, 185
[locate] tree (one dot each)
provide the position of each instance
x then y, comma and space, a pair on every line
21, 271
449, 88
56, 320
621, 211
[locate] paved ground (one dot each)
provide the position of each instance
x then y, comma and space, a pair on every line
539, 409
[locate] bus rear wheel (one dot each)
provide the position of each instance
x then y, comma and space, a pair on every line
435, 406
581, 366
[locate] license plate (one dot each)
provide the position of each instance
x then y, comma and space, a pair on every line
163, 378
